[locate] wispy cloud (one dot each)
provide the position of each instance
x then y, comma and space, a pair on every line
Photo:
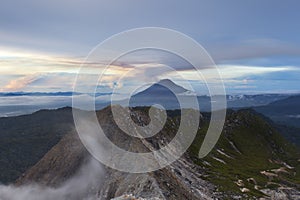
228, 72
20, 83
37, 71
16, 61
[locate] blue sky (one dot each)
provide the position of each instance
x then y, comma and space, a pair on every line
256, 44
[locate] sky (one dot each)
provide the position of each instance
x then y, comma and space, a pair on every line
255, 44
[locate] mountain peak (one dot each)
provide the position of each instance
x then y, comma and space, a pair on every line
167, 83
163, 81
162, 88
163, 92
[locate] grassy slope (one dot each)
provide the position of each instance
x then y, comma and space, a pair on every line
258, 144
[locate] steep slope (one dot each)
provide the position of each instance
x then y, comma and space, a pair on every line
251, 160
181, 180
25, 139
59, 164
251, 157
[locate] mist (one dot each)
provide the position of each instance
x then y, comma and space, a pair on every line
82, 186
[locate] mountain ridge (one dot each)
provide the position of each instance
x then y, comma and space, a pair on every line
185, 178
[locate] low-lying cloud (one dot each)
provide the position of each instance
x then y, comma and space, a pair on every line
83, 186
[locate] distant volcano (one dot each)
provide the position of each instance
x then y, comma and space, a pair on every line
163, 87
163, 92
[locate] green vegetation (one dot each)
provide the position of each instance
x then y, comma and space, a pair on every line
249, 156
247, 147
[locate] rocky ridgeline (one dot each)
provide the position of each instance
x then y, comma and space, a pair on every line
233, 170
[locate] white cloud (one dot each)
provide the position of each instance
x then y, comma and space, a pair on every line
229, 72
79, 186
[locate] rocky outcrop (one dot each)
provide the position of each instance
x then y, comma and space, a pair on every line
180, 180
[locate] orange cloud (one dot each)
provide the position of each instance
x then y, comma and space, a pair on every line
20, 83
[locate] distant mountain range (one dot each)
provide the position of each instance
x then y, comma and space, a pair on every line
285, 111
163, 92
67, 94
